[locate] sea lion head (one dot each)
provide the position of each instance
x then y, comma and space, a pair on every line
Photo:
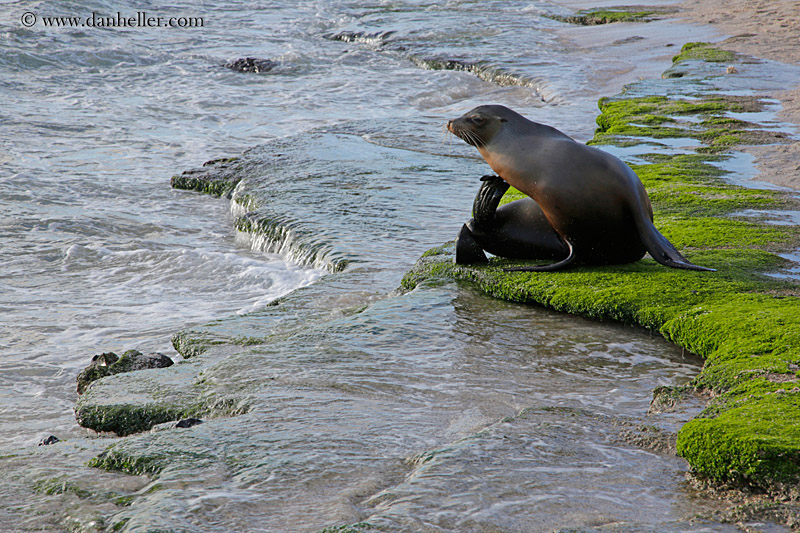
478, 126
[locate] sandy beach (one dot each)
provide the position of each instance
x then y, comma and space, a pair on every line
766, 29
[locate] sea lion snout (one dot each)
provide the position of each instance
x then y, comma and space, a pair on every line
467, 130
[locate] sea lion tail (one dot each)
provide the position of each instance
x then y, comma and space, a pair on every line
663, 251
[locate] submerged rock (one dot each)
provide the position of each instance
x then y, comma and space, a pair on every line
251, 64
182, 423
107, 364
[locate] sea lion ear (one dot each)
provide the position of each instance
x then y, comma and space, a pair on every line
503, 119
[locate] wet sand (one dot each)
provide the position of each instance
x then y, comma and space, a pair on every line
766, 29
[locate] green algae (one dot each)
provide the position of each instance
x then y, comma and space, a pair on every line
127, 419
108, 364
701, 51
113, 460
746, 325
668, 398
594, 17
61, 486
118, 526
189, 344
148, 462
660, 117
218, 177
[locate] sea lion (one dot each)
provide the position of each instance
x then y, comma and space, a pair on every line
590, 201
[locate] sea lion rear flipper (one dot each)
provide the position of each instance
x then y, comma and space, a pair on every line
552, 266
663, 251
468, 251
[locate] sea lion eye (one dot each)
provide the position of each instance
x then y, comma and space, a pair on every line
477, 120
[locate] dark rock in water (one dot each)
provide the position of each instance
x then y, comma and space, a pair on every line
52, 439
188, 422
106, 364
251, 64
97, 369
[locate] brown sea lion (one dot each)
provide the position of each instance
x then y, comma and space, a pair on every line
585, 206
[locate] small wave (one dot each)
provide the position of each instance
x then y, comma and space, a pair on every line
280, 235
483, 71
375, 39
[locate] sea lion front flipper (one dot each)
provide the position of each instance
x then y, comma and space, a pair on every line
484, 207
552, 266
488, 198
468, 251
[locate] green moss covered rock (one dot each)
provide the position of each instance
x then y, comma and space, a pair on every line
108, 364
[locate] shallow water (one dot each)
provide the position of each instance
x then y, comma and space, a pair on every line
99, 254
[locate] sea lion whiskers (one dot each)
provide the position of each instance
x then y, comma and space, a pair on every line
477, 140
445, 134
466, 134
470, 137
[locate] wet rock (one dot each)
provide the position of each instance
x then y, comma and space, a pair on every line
481, 69
107, 364
596, 17
251, 64
651, 438
217, 177
52, 439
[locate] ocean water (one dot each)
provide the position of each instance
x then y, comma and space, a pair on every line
100, 254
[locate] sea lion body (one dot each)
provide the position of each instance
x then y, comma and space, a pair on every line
591, 200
